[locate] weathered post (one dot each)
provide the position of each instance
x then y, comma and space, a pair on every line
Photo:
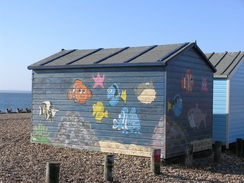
155, 160
242, 148
239, 148
108, 167
52, 172
217, 151
189, 155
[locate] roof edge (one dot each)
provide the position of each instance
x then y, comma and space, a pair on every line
220, 76
204, 57
95, 66
174, 52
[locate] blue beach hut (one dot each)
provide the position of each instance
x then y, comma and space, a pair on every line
228, 104
124, 100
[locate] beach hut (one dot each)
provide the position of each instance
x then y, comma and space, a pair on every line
228, 105
124, 100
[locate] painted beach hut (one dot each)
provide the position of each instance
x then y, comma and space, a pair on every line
124, 100
228, 104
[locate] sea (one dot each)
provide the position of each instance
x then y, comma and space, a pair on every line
14, 100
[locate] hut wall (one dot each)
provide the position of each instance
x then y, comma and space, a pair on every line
236, 124
117, 110
220, 110
189, 103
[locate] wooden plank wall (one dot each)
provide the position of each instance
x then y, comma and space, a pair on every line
189, 99
236, 123
119, 110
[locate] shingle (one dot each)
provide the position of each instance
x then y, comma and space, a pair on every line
225, 62
155, 54
68, 58
96, 56
49, 58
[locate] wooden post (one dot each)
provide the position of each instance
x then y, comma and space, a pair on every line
52, 172
189, 155
108, 167
242, 148
239, 148
155, 160
217, 151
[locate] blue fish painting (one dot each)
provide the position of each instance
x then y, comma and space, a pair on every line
114, 94
176, 105
127, 122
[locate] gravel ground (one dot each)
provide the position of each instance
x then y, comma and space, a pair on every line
22, 161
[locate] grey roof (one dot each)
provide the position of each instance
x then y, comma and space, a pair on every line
225, 62
127, 56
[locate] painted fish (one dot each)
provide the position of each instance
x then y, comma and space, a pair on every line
145, 92
98, 112
187, 82
80, 93
114, 94
204, 84
176, 105
47, 110
196, 116
127, 122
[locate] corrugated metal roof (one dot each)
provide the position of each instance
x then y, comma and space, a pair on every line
225, 62
128, 56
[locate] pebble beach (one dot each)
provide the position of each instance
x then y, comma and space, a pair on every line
23, 161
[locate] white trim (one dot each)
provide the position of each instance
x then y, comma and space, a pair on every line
227, 112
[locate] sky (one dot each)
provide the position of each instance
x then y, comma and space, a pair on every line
31, 30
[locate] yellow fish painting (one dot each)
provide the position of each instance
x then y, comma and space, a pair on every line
98, 112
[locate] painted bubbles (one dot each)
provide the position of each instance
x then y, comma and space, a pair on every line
80, 93
145, 92
127, 122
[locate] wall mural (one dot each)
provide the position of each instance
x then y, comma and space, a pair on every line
158, 137
176, 105
133, 126
98, 80
47, 110
196, 116
127, 122
204, 87
80, 93
98, 112
113, 93
75, 131
176, 137
187, 82
41, 133
145, 92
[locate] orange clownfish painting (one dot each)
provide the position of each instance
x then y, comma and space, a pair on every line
80, 92
187, 82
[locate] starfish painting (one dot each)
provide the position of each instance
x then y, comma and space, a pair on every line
98, 80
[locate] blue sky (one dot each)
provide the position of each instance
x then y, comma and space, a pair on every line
31, 30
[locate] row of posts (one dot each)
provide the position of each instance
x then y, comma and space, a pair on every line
18, 110
53, 168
